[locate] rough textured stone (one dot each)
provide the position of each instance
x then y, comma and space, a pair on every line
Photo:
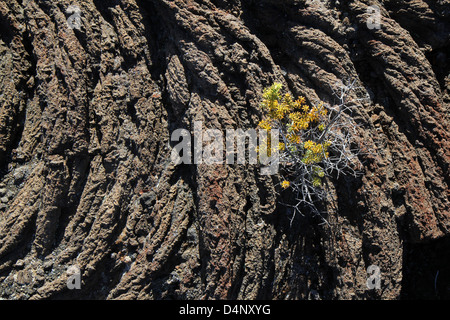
85, 122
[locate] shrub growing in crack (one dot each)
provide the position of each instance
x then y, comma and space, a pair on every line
316, 142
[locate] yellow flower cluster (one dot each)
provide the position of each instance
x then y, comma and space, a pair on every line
278, 107
300, 114
277, 110
301, 120
315, 152
294, 118
265, 125
285, 184
294, 138
271, 96
314, 147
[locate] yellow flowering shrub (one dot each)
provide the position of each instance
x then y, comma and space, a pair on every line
298, 123
315, 141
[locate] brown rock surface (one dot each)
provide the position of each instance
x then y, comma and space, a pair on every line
85, 121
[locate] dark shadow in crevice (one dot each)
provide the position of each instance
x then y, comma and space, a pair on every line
440, 62
426, 271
